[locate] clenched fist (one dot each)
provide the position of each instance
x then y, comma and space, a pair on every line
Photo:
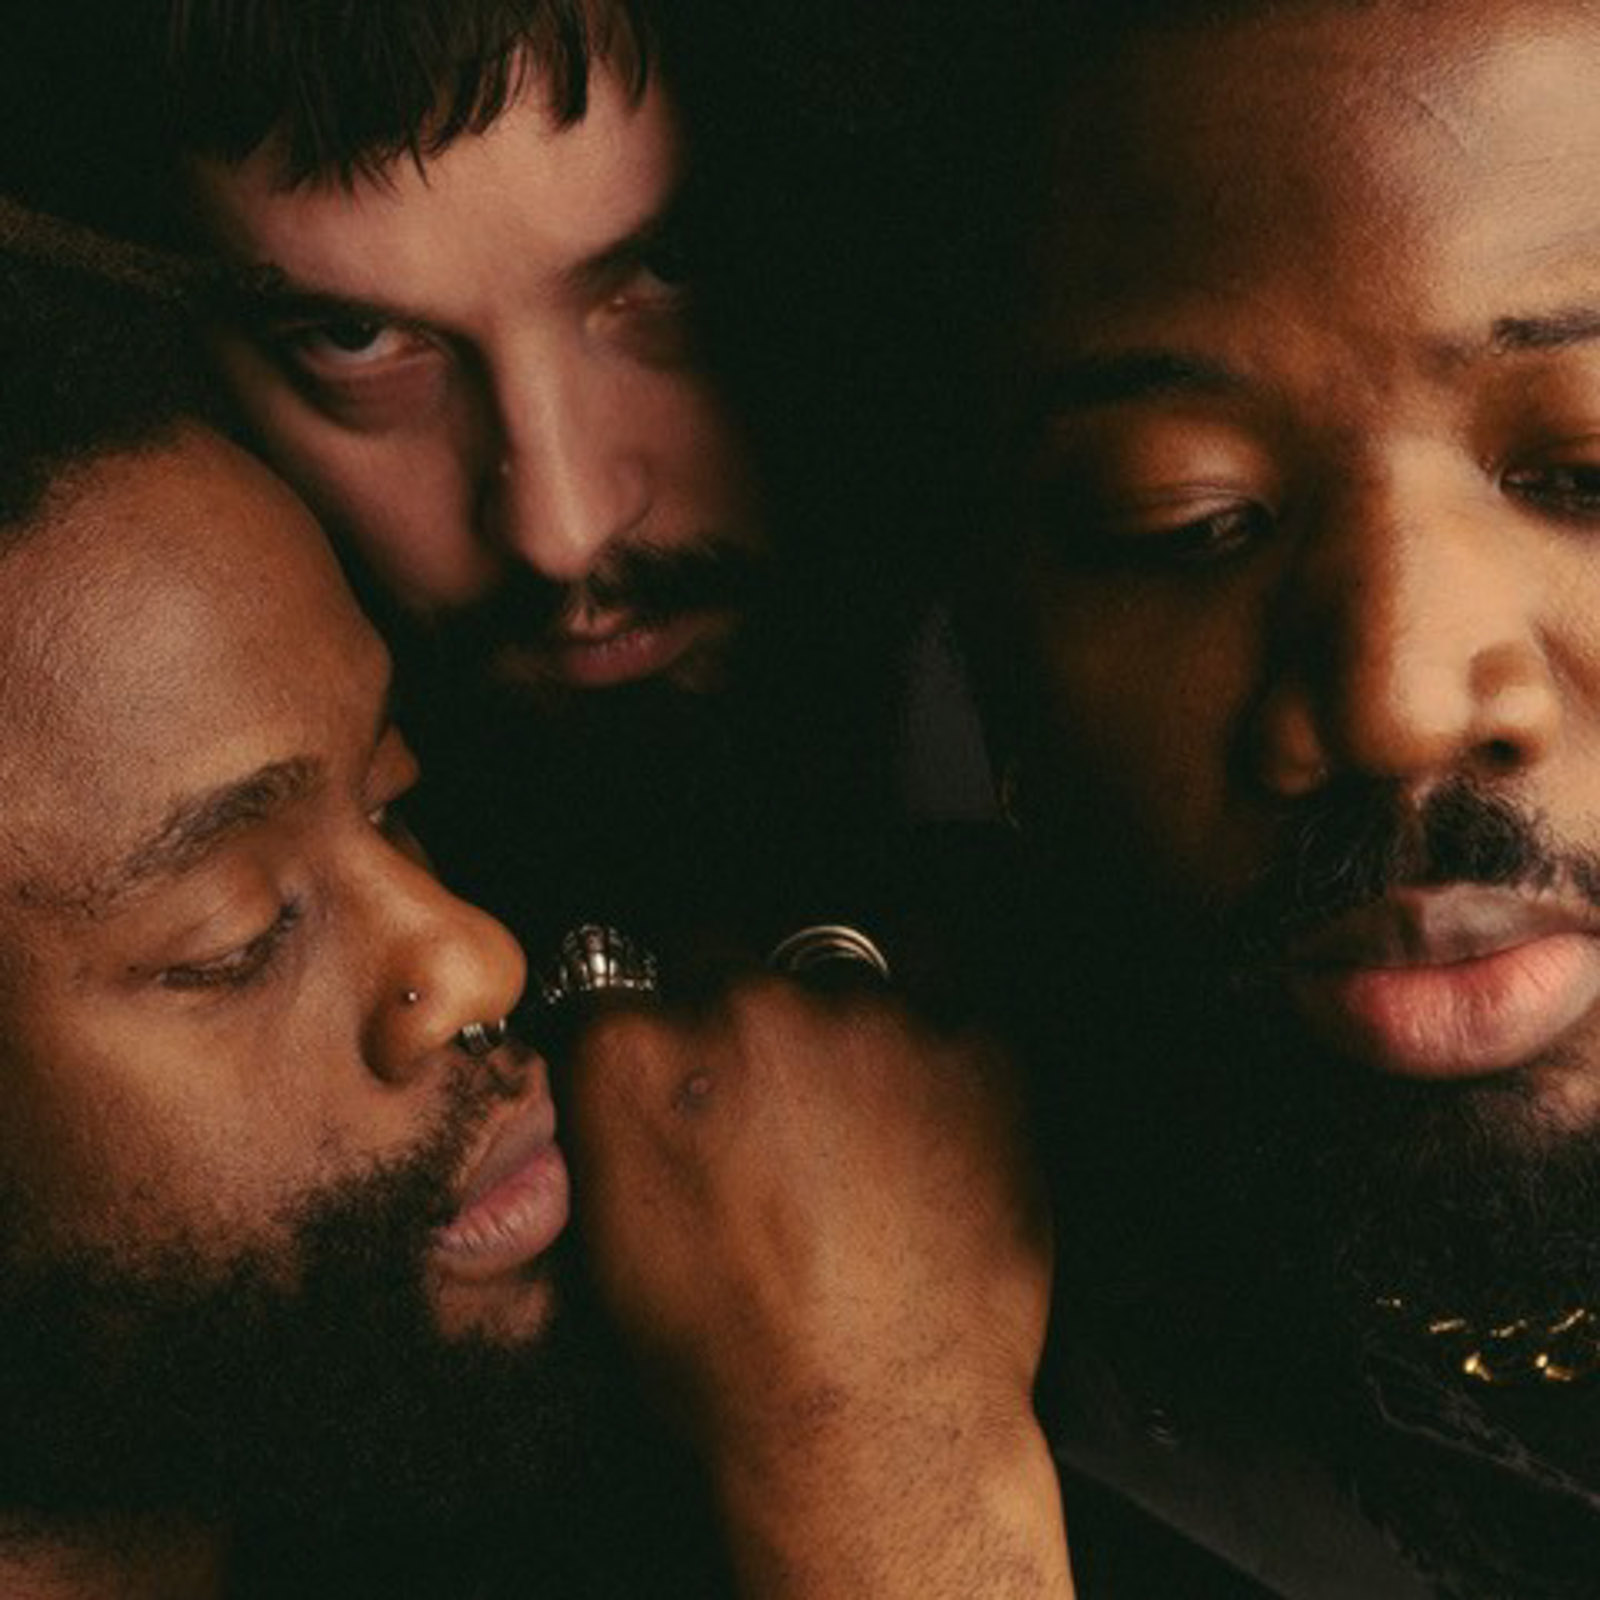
817, 1224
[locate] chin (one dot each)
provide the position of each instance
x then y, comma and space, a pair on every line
509, 1313
1553, 1101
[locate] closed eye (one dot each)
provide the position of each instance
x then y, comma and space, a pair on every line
1567, 489
1141, 540
240, 966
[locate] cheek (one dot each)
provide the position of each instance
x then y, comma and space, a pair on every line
1140, 719
405, 495
701, 458
119, 1148
134, 1142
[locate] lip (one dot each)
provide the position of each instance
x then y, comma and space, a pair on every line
515, 1198
617, 649
1452, 982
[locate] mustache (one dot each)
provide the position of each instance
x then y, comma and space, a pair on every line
1356, 843
649, 582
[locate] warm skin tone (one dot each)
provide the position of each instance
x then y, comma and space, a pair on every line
486, 364
816, 1221
213, 918
1316, 488
201, 866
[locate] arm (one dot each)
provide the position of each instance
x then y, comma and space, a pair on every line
816, 1225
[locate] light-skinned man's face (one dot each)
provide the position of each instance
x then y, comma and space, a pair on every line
1310, 563
481, 371
231, 986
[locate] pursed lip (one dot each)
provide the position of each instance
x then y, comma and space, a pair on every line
1457, 981
513, 1200
1417, 927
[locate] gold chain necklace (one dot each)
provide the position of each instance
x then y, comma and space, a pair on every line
1562, 1348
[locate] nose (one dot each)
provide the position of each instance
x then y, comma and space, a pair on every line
444, 965
572, 474
1408, 646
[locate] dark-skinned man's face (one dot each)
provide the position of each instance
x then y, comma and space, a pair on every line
1310, 566
257, 1201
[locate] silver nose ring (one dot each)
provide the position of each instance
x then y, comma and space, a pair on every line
482, 1038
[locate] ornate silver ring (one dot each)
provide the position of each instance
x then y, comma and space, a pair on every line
596, 959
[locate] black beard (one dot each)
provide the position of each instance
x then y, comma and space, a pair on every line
1292, 1190
161, 1384
319, 1415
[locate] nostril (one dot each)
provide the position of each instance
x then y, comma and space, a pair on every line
1501, 755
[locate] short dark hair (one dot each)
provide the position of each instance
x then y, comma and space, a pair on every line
99, 356
103, 97
351, 85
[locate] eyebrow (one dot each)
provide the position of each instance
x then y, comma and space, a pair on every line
1089, 382
198, 824
265, 292
625, 253
1557, 330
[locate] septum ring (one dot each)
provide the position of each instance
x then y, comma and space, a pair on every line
481, 1038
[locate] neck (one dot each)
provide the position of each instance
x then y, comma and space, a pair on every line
110, 1558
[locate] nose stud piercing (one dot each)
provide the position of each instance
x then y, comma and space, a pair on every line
411, 996
480, 1038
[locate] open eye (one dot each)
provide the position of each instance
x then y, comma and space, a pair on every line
658, 289
240, 966
669, 261
393, 822
345, 343
390, 785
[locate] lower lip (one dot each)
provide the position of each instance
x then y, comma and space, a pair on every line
627, 656
512, 1224
1462, 1019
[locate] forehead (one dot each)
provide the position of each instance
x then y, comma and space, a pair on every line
174, 623
523, 198
1389, 149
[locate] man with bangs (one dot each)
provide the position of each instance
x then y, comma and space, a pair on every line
479, 310
287, 1305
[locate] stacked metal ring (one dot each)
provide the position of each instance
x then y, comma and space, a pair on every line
829, 947
597, 959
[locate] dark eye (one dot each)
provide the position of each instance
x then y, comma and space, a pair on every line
239, 967
393, 821
1561, 488
348, 347
353, 339
1206, 541
669, 260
